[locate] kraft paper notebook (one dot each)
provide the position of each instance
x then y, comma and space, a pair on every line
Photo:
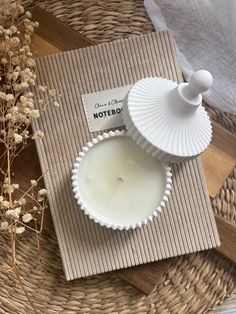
186, 224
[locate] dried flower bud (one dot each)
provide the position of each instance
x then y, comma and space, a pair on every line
27, 37
26, 20
13, 213
13, 29
29, 28
9, 76
17, 87
30, 94
20, 230
24, 85
9, 116
3, 132
9, 97
15, 40
5, 204
30, 62
4, 225
41, 195
56, 104
32, 81
33, 182
34, 114
8, 188
21, 9
18, 138
23, 99
37, 134
27, 110
15, 75
27, 217
30, 104
42, 192
42, 88
15, 60
4, 61
3, 95
28, 14
27, 121
52, 92
14, 109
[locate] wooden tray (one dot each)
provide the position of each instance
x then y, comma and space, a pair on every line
218, 160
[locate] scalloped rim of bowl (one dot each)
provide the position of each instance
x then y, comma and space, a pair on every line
88, 212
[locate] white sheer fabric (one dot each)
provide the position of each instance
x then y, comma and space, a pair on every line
205, 33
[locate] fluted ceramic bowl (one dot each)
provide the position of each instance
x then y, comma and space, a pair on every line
105, 186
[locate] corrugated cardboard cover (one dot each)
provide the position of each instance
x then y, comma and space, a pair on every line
186, 225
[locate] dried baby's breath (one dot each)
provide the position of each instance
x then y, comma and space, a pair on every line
27, 217
4, 225
19, 230
37, 134
19, 108
33, 182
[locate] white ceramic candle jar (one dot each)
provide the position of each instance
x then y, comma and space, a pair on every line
121, 180
119, 185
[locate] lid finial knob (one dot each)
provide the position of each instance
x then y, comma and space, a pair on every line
200, 82
188, 96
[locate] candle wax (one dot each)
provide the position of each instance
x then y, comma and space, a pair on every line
119, 182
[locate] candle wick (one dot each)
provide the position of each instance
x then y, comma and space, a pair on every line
120, 179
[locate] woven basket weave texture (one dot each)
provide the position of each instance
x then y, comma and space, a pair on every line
193, 284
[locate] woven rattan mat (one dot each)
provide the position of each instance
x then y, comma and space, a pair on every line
193, 284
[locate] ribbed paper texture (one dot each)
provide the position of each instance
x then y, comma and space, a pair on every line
187, 223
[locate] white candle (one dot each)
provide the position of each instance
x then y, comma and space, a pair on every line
119, 183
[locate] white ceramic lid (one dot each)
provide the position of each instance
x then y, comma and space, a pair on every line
167, 119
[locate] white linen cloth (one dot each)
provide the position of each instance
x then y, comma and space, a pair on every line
205, 33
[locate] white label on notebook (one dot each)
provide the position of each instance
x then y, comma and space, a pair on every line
104, 109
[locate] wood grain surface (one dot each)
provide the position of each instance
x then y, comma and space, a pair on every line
227, 231
49, 40
219, 159
54, 36
145, 277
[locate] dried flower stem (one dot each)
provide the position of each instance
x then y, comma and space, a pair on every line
9, 175
38, 235
20, 208
23, 288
